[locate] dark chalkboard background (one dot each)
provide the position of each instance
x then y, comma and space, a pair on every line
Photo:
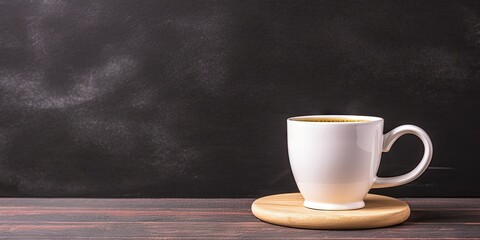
189, 98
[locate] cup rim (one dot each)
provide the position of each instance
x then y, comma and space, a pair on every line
369, 119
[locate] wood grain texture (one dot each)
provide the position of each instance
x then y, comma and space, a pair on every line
288, 210
211, 219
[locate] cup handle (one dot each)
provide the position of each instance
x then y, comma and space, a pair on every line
389, 139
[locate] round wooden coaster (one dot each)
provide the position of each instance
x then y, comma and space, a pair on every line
288, 210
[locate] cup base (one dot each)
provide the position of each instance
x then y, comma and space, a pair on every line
333, 206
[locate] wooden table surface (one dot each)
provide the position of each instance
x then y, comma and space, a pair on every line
27, 218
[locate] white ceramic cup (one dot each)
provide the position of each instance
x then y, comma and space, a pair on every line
335, 164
